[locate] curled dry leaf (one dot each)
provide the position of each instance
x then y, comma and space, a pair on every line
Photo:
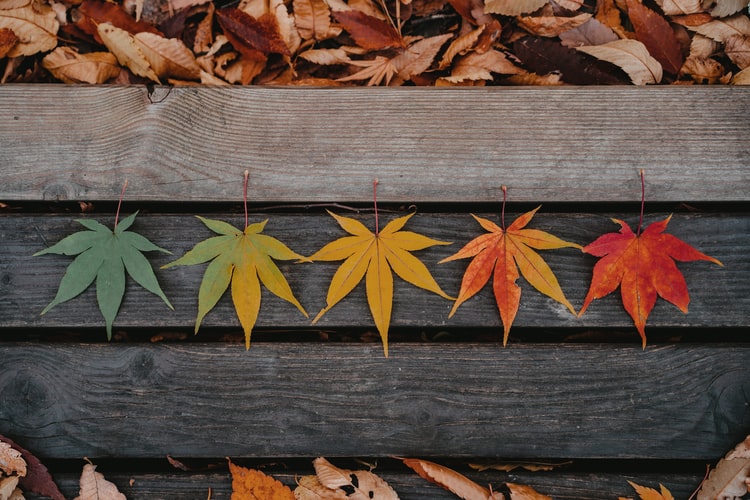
476, 66
731, 477
359, 484
418, 57
460, 45
11, 461
127, 51
93, 486
326, 57
35, 27
8, 490
742, 78
702, 70
737, 48
310, 488
592, 32
513, 7
630, 55
69, 66
7, 40
168, 57
451, 480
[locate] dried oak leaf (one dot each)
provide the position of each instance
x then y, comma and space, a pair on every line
251, 484
503, 252
543, 56
645, 493
35, 26
513, 7
631, 56
367, 31
731, 477
358, 484
244, 259
374, 256
642, 265
93, 486
105, 255
69, 66
657, 35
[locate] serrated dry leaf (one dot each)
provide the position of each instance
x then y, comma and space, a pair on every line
737, 48
326, 57
592, 32
7, 40
657, 35
645, 493
254, 38
93, 486
551, 26
724, 8
127, 51
310, 488
168, 57
729, 480
418, 56
513, 7
722, 29
447, 478
460, 46
680, 7
251, 484
313, 19
359, 484
631, 56
481, 67
35, 27
11, 461
368, 31
69, 66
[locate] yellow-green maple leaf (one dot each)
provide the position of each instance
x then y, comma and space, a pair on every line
373, 256
244, 259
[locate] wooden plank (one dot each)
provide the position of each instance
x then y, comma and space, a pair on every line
720, 297
303, 400
574, 486
547, 144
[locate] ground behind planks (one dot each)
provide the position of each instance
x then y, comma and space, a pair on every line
565, 388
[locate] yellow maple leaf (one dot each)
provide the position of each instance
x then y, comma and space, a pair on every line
373, 256
651, 494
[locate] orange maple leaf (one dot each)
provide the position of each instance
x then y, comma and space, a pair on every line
504, 252
651, 494
642, 265
250, 484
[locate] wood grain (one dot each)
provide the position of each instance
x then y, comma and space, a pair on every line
286, 400
720, 297
314, 144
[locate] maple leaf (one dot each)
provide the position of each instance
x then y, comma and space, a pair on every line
503, 252
373, 256
651, 494
244, 259
104, 255
642, 265
251, 484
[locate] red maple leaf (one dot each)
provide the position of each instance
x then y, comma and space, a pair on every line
643, 265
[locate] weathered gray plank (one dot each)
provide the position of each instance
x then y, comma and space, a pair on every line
205, 400
574, 486
720, 297
561, 144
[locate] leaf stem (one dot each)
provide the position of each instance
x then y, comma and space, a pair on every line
505, 197
244, 195
119, 203
643, 202
375, 205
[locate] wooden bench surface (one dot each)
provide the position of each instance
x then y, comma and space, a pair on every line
564, 388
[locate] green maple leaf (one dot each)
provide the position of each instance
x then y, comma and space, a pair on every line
244, 259
104, 255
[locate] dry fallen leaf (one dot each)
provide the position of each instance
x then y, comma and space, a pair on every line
551, 25
7, 40
630, 55
511, 466
513, 7
451, 480
35, 27
592, 32
358, 484
310, 488
680, 7
11, 461
168, 58
657, 35
69, 66
731, 478
251, 484
93, 486
128, 52
475, 66
645, 493
737, 48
